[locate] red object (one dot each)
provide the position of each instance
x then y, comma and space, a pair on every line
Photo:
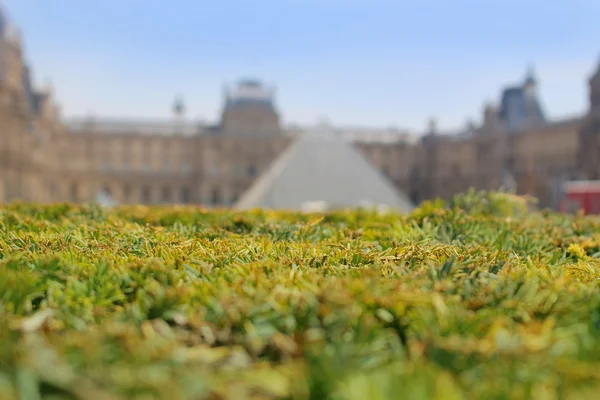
581, 195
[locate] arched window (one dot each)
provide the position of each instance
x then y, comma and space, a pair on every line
74, 195
455, 169
166, 194
185, 195
166, 160
146, 195
216, 197
236, 196
146, 155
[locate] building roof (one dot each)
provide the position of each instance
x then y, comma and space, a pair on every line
320, 166
32, 96
243, 103
3, 22
521, 108
249, 93
250, 82
596, 74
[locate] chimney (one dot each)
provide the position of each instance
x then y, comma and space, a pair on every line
432, 126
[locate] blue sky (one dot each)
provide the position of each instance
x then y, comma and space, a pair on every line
369, 63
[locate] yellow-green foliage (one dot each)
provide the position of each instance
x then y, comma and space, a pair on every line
474, 299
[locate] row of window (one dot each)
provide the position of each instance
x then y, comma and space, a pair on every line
145, 148
184, 169
144, 194
167, 150
251, 170
167, 194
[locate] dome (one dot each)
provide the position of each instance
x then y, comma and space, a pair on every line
251, 89
250, 82
250, 92
179, 106
530, 79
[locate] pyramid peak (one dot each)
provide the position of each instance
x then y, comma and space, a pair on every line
320, 167
321, 132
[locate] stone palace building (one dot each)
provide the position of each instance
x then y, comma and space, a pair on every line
44, 158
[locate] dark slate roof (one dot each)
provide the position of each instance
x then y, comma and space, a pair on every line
521, 108
179, 105
3, 22
250, 82
237, 103
249, 93
596, 75
33, 98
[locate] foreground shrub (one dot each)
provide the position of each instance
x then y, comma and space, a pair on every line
471, 299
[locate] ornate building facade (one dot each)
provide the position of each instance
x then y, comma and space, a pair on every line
44, 158
515, 147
